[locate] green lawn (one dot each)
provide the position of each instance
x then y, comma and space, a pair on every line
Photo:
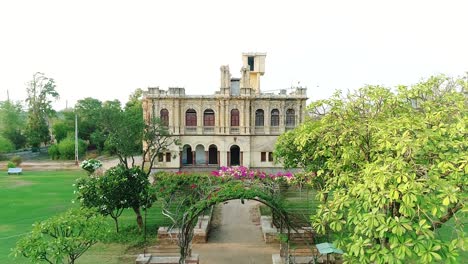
35, 196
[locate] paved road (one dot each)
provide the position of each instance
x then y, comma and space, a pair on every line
236, 237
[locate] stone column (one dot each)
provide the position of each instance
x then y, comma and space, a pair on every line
180, 159
221, 116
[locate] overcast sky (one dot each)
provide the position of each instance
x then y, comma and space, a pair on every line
107, 49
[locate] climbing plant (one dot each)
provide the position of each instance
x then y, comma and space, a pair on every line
185, 197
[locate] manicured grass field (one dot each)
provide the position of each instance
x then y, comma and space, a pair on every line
36, 196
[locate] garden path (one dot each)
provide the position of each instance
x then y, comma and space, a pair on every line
236, 236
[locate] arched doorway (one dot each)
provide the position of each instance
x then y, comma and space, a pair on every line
235, 155
240, 196
200, 155
213, 154
200, 193
187, 155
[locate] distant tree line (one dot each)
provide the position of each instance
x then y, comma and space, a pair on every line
34, 123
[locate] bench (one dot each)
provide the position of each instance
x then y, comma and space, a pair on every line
15, 171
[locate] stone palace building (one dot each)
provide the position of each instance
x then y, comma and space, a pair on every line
238, 125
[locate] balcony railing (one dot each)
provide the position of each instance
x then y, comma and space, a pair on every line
191, 129
234, 130
208, 130
259, 130
274, 130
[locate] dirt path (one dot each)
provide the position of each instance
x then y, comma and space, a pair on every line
48, 165
236, 237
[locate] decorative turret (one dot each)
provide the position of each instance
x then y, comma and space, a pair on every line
254, 67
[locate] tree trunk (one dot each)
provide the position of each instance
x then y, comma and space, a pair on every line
116, 223
139, 218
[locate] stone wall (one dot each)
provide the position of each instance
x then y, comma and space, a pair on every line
200, 236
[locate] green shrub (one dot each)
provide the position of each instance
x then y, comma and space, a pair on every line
6, 145
91, 165
54, 152
11, 165
17, 160
66, 148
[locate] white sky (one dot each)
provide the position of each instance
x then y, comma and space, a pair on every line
107, 49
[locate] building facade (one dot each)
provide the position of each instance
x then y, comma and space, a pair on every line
238, 125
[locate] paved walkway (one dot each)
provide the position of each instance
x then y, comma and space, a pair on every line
236, 237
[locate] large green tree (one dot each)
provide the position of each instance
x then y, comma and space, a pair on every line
394, 166
40, 92
124, 130
12, 123
89, 114
63, 124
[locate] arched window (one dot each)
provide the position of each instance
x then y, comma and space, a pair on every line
290, 118
274, 118
164, 115
259, 117
208, 118
234, 118
191, 118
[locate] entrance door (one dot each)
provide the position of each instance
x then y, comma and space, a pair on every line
212, 155
235, 155
187, 155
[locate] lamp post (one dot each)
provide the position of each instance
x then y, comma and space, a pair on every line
76, 139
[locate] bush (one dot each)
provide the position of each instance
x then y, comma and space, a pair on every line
66, 148
6, 145
17, 160
91, 165
62, 238
54, 152
11, 165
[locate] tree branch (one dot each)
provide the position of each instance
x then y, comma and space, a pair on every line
450, 212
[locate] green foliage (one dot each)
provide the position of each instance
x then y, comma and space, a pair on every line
66, 148
17, 160
12, 123
185, 197
91, 165
118, 189
98, 139
40, 92
63, 238
124, 130
89, 115
5, 145
54, 152
11, 164
395, 164
61, 130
